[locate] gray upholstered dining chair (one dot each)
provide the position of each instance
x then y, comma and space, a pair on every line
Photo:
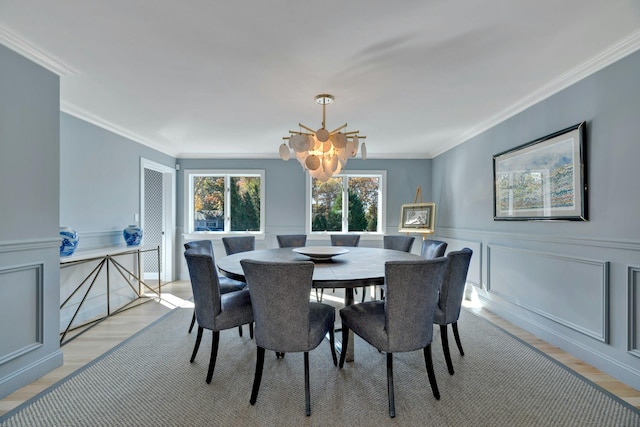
291, 240
402, 322
352, 240
450, 300
226, 284
432, 249
214, 311
233, 245
398, 243
286, 321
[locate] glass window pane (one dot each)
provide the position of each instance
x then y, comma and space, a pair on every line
208, 203
326, 205
245, 203
363, 203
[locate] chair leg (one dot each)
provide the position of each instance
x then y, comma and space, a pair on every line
258, 376
432, 376
307, 392
392, 403
445, 348
345, 342
454, 325
193, 321
251, 330
197, 346
332, 343
240, 330
214, 355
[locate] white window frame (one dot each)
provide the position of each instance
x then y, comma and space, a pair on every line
228, 174
382, 202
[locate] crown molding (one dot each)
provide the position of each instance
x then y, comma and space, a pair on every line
615, 52
81, 114
20, 45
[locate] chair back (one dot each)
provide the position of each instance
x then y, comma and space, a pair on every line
433, 249
399, 243
205, 287
292, 240
411, 298
200, 246
280, 300
352, 240
452, 290
233, 245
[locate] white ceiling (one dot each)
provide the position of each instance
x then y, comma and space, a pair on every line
204, 78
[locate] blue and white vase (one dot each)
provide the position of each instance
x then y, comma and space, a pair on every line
132, 235
69, 241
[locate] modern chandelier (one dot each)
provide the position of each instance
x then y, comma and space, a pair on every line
323, 153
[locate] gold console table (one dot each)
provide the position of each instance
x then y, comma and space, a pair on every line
104, 263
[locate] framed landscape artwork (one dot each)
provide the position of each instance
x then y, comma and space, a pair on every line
417, 218
542, 180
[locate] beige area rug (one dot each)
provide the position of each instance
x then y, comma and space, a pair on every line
148, 381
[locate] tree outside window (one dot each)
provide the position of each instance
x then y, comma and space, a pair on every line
226, 202
360, 213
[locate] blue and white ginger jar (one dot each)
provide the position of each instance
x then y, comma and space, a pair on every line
69, 241
132, 235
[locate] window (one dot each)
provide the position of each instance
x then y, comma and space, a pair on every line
225, 201
348, 202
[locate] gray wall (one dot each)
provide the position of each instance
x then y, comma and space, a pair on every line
100, 181
574, 284
29, 241
285, 195
285, 187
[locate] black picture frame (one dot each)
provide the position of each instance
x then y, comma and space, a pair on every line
545, 179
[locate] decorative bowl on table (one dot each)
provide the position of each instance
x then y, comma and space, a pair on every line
320, 253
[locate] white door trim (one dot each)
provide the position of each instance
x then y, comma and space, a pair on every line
169, 208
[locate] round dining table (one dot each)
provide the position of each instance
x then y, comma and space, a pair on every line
355, 268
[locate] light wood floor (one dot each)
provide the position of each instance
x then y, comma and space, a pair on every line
110, 332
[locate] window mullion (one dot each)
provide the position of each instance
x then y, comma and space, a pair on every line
227, 203
345, 204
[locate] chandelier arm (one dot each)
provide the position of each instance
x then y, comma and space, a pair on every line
338, 129
307, 128
297, 132
352, 132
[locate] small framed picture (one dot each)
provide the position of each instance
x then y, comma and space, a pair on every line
417, 218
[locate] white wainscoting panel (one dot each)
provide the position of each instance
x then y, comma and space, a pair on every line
571, 291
